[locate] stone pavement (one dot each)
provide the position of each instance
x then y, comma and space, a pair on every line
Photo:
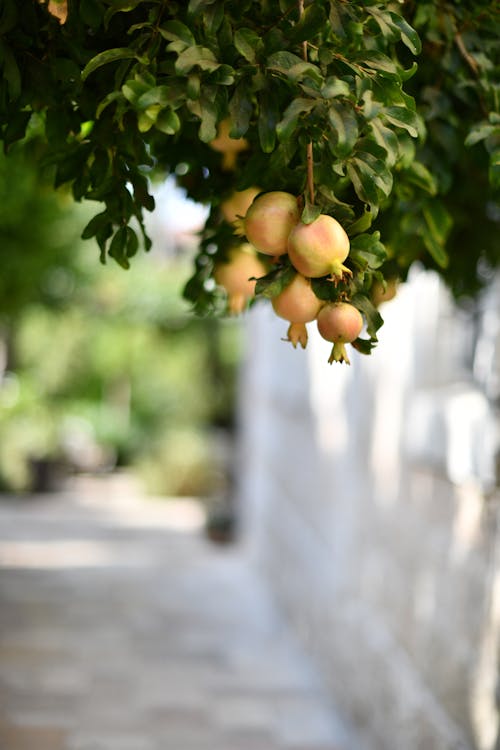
123, 628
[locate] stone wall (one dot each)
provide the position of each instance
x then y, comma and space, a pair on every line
370, 499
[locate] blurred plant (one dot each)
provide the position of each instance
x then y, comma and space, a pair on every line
100, 369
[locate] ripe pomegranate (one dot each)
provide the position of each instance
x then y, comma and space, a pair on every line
269, 221
227, 146
380, 295
319, 248
340, 323
298, 304
235, 207
236, 276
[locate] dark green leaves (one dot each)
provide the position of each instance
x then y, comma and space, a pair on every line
248, 43
370, 177
176, 31
402, 117
367, 251
288, 124
197, 56
438, 223
108, 56
344, 128
275, 281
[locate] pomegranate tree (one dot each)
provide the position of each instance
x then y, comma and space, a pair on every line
341, 323
269, 221
298, 304
238, 276
319, 248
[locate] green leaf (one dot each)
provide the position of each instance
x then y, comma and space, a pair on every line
382, 63
108, 56
11, 71
361, 224
95, 224
247, 42
133, 89
310, 212
177, 31
132, 242
372, 316
438, 220
275, 281
308, 73
480, 132
168, 122
387, 139
420, 176
409, 36
494, 169
288, 124
15, 129
156, 95
209, 116
334, 87
267, 122
344, 128
402, 118
197, 56
367, 251
146, 120
364, 346
120, 6
374, 168
118, 247
240, 111
363, 183
436, 249
311, 22
283, 61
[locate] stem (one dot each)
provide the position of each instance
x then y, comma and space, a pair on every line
310, 171
466, 54
309, 150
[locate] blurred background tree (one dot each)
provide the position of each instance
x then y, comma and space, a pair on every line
102, 369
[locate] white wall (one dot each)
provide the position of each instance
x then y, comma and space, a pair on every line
369, 498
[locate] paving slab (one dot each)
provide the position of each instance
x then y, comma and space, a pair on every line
123, 628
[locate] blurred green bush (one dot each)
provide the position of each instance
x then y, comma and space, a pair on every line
101, 367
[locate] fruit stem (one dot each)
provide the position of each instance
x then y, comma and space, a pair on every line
309, 148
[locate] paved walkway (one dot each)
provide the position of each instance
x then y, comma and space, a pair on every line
122, 628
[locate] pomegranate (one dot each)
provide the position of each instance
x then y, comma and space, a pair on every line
227, 146
236, 276
235, 207
269, 221
298, 304
380, 295
319, 249
340, 323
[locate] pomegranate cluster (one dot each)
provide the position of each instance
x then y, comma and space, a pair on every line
272, 225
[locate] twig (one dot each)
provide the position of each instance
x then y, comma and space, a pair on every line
466, 54
310, 171
309, 148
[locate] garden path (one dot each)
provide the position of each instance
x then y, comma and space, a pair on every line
123, 628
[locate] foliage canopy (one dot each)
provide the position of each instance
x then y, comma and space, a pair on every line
400, 101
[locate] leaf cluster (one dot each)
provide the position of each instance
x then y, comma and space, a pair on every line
400, 102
